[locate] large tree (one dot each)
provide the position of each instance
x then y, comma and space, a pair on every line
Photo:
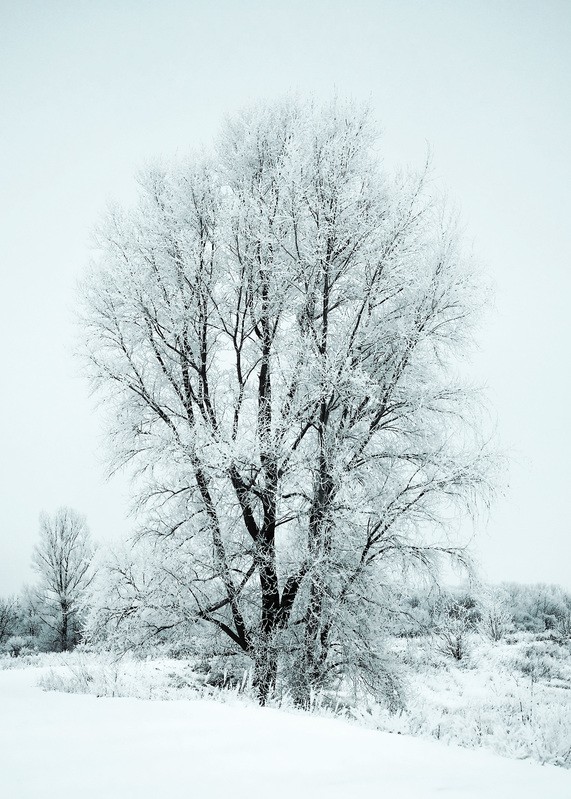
274, 328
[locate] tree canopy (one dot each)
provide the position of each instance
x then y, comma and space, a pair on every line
274, 328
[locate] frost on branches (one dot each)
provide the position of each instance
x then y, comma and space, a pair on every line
273, 328
63, 560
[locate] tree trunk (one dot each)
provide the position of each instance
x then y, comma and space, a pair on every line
265, 672
307, 676
64, 627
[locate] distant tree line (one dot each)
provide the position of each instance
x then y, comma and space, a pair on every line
495, 611
57, 616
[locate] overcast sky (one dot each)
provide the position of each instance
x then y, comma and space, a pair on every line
89, 91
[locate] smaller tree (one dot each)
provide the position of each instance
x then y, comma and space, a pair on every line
8, 617
30, 622
63, 559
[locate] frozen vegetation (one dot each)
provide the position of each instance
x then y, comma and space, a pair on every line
54, 744
510, 696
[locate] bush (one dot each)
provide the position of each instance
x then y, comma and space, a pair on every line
544, 660
453, 630
225, 672
496, 616
20, 645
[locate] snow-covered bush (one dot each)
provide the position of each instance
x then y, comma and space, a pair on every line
543, 659
496, 614
104, 675
225, 672
457, 619
19, 645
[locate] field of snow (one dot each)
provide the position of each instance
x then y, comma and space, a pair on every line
58, 744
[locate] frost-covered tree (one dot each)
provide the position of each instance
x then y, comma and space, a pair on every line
63, 560
273, 327
8, 617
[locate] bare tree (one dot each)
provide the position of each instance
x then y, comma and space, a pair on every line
8, 617
273, 329
63, 559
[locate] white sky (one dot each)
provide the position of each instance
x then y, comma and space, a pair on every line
90, 90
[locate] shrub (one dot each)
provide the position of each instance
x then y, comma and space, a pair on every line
20, 645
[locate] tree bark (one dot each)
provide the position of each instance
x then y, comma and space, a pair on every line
64, 644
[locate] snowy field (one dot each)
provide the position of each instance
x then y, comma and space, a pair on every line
56, 744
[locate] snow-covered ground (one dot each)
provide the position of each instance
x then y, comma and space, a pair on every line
57, 744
